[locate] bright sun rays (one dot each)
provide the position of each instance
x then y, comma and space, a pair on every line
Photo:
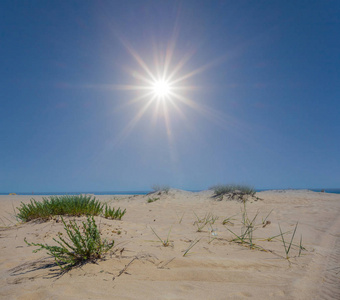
161, 89
163, 95
163, 86
161, 83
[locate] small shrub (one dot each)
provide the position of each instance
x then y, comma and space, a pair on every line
80, 248
234, 192
161, 188
223, 189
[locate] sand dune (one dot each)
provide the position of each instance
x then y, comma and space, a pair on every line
139, 267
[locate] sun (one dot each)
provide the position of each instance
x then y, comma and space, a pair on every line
161, 89
162, 86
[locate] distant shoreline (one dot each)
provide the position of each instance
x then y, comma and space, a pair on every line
330, 190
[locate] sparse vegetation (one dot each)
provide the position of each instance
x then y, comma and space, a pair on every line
79, 248
77, 205
249, 225
208, 219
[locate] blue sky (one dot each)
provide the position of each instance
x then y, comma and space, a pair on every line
257, 101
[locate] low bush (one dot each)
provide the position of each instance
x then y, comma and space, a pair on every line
222, 189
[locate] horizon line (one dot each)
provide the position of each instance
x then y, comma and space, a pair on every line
141, 191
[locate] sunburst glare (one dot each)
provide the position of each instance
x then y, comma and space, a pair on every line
162, 83
161, 89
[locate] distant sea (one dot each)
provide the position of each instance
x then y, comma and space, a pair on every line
78, 193
335, 191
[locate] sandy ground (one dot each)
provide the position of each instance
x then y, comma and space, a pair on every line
140, 267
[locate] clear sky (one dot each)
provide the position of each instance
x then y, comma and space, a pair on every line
250, 93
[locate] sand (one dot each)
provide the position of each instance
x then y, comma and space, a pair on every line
139, 267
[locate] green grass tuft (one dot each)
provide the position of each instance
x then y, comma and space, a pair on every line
111, 213
249, 226
78, 205
150, 200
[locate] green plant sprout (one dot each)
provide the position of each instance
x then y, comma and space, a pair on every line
300, 246
166, 242
180, 219
192, 244
287, 246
